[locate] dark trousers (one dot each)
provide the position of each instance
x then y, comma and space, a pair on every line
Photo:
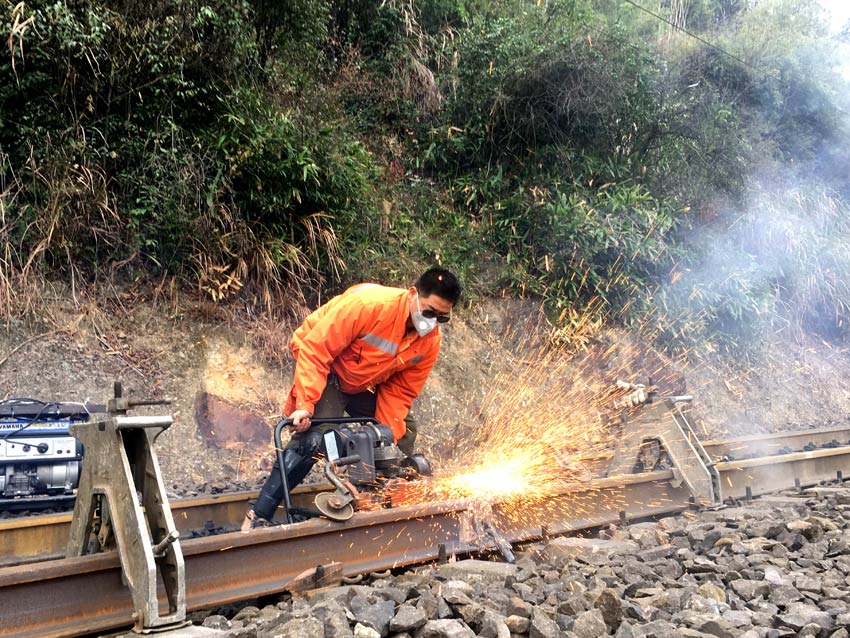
305, 448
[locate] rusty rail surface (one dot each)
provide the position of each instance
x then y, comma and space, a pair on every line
83, 595
39, 538
29, 539
70, 597
772, 444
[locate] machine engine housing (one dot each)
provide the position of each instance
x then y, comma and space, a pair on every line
380, 457
38, 455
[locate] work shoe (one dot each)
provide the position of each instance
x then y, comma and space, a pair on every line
252, 521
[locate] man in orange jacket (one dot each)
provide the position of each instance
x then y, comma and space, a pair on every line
368, 353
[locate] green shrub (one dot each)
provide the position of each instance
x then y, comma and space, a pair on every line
297, 179
551, 149
585, 244
109, 100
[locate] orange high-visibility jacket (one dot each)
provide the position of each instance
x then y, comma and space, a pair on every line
360, 336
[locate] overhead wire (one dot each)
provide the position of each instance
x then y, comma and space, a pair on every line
695, 36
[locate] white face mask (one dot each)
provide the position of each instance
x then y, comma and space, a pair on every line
423, 324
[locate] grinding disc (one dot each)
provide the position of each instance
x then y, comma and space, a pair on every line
323, 504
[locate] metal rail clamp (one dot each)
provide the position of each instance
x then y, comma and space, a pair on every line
659, 433
121, 504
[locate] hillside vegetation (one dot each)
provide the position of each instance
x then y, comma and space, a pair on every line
680, 167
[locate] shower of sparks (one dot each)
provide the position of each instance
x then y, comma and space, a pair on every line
510, 476
543, 427
513, 477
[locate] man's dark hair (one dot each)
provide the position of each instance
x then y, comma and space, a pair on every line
440, 282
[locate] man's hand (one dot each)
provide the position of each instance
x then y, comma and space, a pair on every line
300, 420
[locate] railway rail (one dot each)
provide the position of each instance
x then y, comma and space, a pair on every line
748, 462
79, 595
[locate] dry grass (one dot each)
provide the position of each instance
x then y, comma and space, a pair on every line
20, 25
578, 328
20, 289
270, 340
235, 261
51, 214
8, 272
59, 221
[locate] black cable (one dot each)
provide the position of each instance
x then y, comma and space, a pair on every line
695, 36
32, 419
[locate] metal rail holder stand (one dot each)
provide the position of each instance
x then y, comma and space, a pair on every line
121, 482
660, 427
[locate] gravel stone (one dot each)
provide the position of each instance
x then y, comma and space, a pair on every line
395, 594
804, 583
217, 622
429, 604
611, 608
334, 617
408, 618
472, 614
248, 613
528, 593
625, 630
445, 628
493, 626
542, 626
713, 592
518, 624
657, 553
717, 628
519, 607
784, 594
733, 572
362, 631
300, 627
474, 571
343, 594
590, 624
657, 629
588, 550
456, 597
374, 615
751, 589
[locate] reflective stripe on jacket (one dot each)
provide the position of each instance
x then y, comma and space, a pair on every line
361, 337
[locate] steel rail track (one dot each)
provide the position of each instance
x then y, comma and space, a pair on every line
44, 537
762, 475
774, 443
81, 595
756, 445
70, 597
39, 538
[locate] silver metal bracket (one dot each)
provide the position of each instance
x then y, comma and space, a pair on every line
478, 530
121, 503
658, 434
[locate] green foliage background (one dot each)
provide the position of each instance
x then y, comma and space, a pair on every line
586, 153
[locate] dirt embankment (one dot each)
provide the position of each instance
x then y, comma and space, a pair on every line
228, 379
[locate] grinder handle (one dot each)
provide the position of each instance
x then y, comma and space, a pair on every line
347, 460
286, 422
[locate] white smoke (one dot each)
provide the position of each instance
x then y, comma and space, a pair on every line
839, 11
